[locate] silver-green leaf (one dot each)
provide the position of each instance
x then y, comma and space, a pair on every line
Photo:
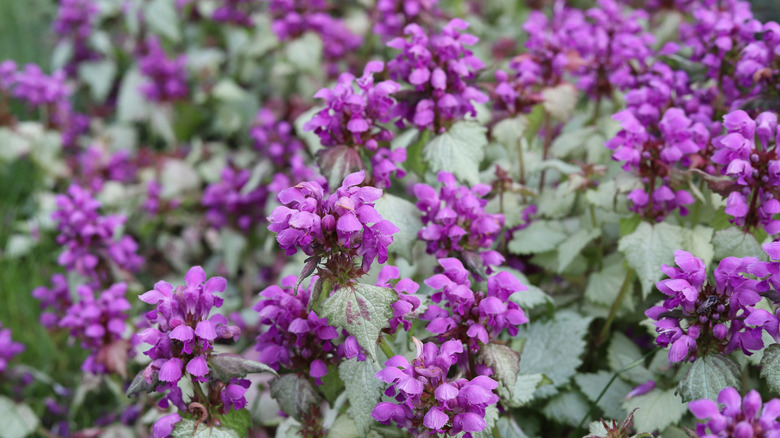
459, 151
708, 376
404, 215
648, 248
656, 410
363, 390
770, 367
18, 419
362, 310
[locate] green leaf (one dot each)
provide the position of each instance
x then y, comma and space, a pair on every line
622, 352
570, 141
459, 151
733, 242
131, 105
524, 389
504, 361
362, 310
649, 247
344, 427
553, 347
295, 395
99, 75
698, 242
238, 420
656, 410
508, 428
540, 236
612, 400
556, 203
363, 390
491, 416
708, 376
603, 286
770, 367
18, 419
225, 366
574, 245
605, 196
162, 19
567, 408
508, 132
189, 428
559, 101
404, 215
305, 52
233, 245
337, 162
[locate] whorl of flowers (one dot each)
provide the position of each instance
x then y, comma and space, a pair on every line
427, 401
653, 152
88, 238
296, 338
473, 316
338, 228
759, 61
56, 300
292, 18
274, 139
183, 331
99, 323
455, 221
95, 165
351, 118
166, 77
738, 417
701, 318
554, 45
406, 304
74, 23
391, 16
236, 12
231, 199
8, 348
440, 69
748, 153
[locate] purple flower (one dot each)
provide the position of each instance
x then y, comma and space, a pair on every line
99, 323
295, 335
426, 400
232, 394
164, 426
440, 68
391, 16
57, 298
747, 153
702, 318
88, 238
74, 24
236, 12
456, 223
166, 78
185, 332
406, 304
739, 417
474, 317
230, 202
8, 348
343, 225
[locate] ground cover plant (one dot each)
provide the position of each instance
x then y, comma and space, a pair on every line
316, 218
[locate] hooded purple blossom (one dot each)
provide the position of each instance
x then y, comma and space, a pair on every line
183, 331
8, 348
455, 221
406, 304
236, 12
391, 16
98, 322
88, 238
747, 153
701, 318
296, 337
166, 78
74, 25
440, 69
426, 400
56, 300
738, 417
231, 202
473, 316
341, 227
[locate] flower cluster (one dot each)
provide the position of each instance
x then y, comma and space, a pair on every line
456, 223
88, 238
553, 45
236, 12
406, 304
292, 18
474, 317
57, 298
296, 338
8, 348
440, 68
701, 318
95, 165
74, 24
341, 227
739, 417
428, 402
274, 139
185, 332
231, 198
99, 323
391, 16
166, 78
754, 166
759, 61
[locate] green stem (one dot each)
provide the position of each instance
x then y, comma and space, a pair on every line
199, 392
614, 376
496, 433
604, 334
386, 349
